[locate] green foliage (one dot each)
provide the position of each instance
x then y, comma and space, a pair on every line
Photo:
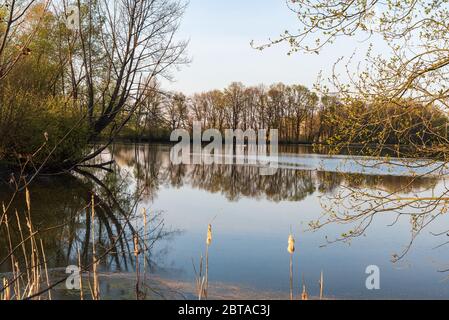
27, 120
422, 129
32, 108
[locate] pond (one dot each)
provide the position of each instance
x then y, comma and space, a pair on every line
252, 216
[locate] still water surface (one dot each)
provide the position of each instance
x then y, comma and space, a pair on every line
252, 216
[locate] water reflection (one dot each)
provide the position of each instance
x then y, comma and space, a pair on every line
255, 213
252, 216
61, 213
152, 168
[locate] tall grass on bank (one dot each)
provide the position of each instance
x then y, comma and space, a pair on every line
28, 260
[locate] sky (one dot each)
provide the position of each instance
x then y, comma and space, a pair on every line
219, 34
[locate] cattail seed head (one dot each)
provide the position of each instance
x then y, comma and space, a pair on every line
7, 290
209, 235
304, 295
291, 244
136, 245
28, 199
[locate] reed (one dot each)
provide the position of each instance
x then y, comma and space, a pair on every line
304, 294
24, 281
19, 224
6, 295
144, 216
321, 282
95, 290
136, 255
81, 276
291, 251
46, 269
208, 243
200, 279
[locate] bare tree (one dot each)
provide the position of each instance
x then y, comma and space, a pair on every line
124, 46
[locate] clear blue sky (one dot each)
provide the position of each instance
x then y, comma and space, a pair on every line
220, 32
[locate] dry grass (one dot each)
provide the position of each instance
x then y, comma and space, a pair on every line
95, 289
27, 258
202, 277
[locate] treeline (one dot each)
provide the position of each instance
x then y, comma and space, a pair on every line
300, 115
297, 112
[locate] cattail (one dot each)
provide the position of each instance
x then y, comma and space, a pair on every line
136, 244
291, 244
208, 242
28, 200
291, 250
304, 295
6, 289
3, 214
209, 235
144, 215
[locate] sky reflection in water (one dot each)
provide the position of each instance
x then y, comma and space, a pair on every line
252, 217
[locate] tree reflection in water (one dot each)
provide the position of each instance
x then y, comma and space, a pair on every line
352, 199
61, 204
61, 213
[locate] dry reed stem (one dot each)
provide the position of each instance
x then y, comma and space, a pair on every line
321, 285
199, 279
136, 255
7, 290
304, 295
144, 214
17, 284
46, 269
81, 276
19, 224
291, 276
96, 287
28, 199
291, 250
32, 276
208, 243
